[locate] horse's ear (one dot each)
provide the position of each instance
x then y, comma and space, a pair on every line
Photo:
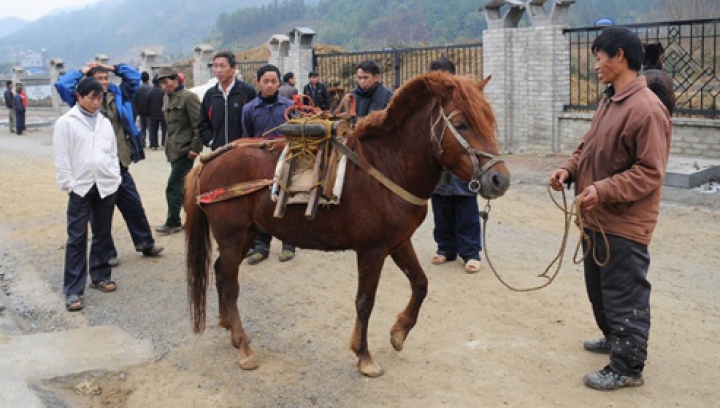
439, 89
481, 84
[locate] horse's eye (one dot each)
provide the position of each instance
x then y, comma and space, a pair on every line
460, 126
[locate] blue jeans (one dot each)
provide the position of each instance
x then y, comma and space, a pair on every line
457, 226
99, 211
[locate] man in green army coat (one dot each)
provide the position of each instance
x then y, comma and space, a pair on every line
182, 114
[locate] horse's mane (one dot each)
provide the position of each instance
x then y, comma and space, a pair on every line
425, 92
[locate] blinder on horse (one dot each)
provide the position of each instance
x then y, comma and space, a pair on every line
474, 185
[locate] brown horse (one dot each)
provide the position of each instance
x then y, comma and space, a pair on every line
433, 121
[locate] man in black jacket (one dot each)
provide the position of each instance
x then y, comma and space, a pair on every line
142, 109
157, 117
370, 95
317, 91
221, 110
9, 95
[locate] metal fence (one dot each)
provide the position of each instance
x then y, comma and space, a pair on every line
398, 65
691, 58
248, 69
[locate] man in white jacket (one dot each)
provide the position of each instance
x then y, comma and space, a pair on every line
86, 163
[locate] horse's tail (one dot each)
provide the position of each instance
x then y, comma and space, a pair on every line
198, 248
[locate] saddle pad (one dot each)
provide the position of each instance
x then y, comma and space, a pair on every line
301, 181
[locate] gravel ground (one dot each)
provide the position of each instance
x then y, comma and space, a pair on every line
477, 344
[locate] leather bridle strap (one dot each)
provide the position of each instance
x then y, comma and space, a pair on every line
375, 173
478, 171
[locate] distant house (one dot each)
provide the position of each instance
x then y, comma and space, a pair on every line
34, 63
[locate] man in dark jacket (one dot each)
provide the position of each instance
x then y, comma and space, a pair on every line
142, 110
157, 118
370, 95
317, 91
455, 211
221, 110
182, 112
9, 104
263, 115
19, 107
117, 107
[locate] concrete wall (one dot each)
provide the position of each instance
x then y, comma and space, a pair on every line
691, 137
529, 68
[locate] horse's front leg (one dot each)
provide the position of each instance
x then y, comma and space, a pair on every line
407, 260
370, 265
228, 287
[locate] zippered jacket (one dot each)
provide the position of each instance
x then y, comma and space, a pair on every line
221, 120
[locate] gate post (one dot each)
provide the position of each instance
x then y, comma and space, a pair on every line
57, 69
530, 67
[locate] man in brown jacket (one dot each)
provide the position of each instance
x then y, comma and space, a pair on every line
618, 170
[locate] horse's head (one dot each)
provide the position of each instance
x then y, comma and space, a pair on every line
463, 133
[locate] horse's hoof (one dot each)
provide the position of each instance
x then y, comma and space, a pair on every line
370, 368
397, 339
248, 361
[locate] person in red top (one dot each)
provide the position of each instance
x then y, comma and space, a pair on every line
618, 171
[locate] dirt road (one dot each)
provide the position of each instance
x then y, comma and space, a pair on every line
476, 344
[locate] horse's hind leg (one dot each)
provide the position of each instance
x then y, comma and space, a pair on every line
406, 259
369, 267
226, 276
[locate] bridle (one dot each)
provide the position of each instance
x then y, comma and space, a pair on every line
478, 171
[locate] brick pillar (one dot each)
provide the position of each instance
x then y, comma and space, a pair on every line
279, 45
530, 70
148, 59
300, 55
202, 64
57, 69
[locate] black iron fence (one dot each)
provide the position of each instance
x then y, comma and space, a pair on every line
248, 69
691, 58
398, 65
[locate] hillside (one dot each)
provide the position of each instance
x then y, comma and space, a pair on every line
9, 25
123, 28
116, 27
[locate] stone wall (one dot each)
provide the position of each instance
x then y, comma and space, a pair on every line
691, 137
529, 68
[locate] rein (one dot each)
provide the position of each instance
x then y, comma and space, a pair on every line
478, 171
574, 211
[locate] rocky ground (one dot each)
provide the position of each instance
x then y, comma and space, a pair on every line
476, 344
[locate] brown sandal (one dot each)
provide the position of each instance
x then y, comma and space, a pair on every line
73, 303
438, 259
104, 286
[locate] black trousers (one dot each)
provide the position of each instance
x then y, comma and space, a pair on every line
79, 212
154, 125
131, 207
620, 296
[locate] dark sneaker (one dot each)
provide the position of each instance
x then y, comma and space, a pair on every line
165, 230
113, 262
286, 255
601, 346
607, 380
256, 258
154, 251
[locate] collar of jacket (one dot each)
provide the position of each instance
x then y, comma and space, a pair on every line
637, 84
233, 86
369, 92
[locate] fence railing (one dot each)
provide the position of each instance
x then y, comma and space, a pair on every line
691, 58
248, 69
398, 65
